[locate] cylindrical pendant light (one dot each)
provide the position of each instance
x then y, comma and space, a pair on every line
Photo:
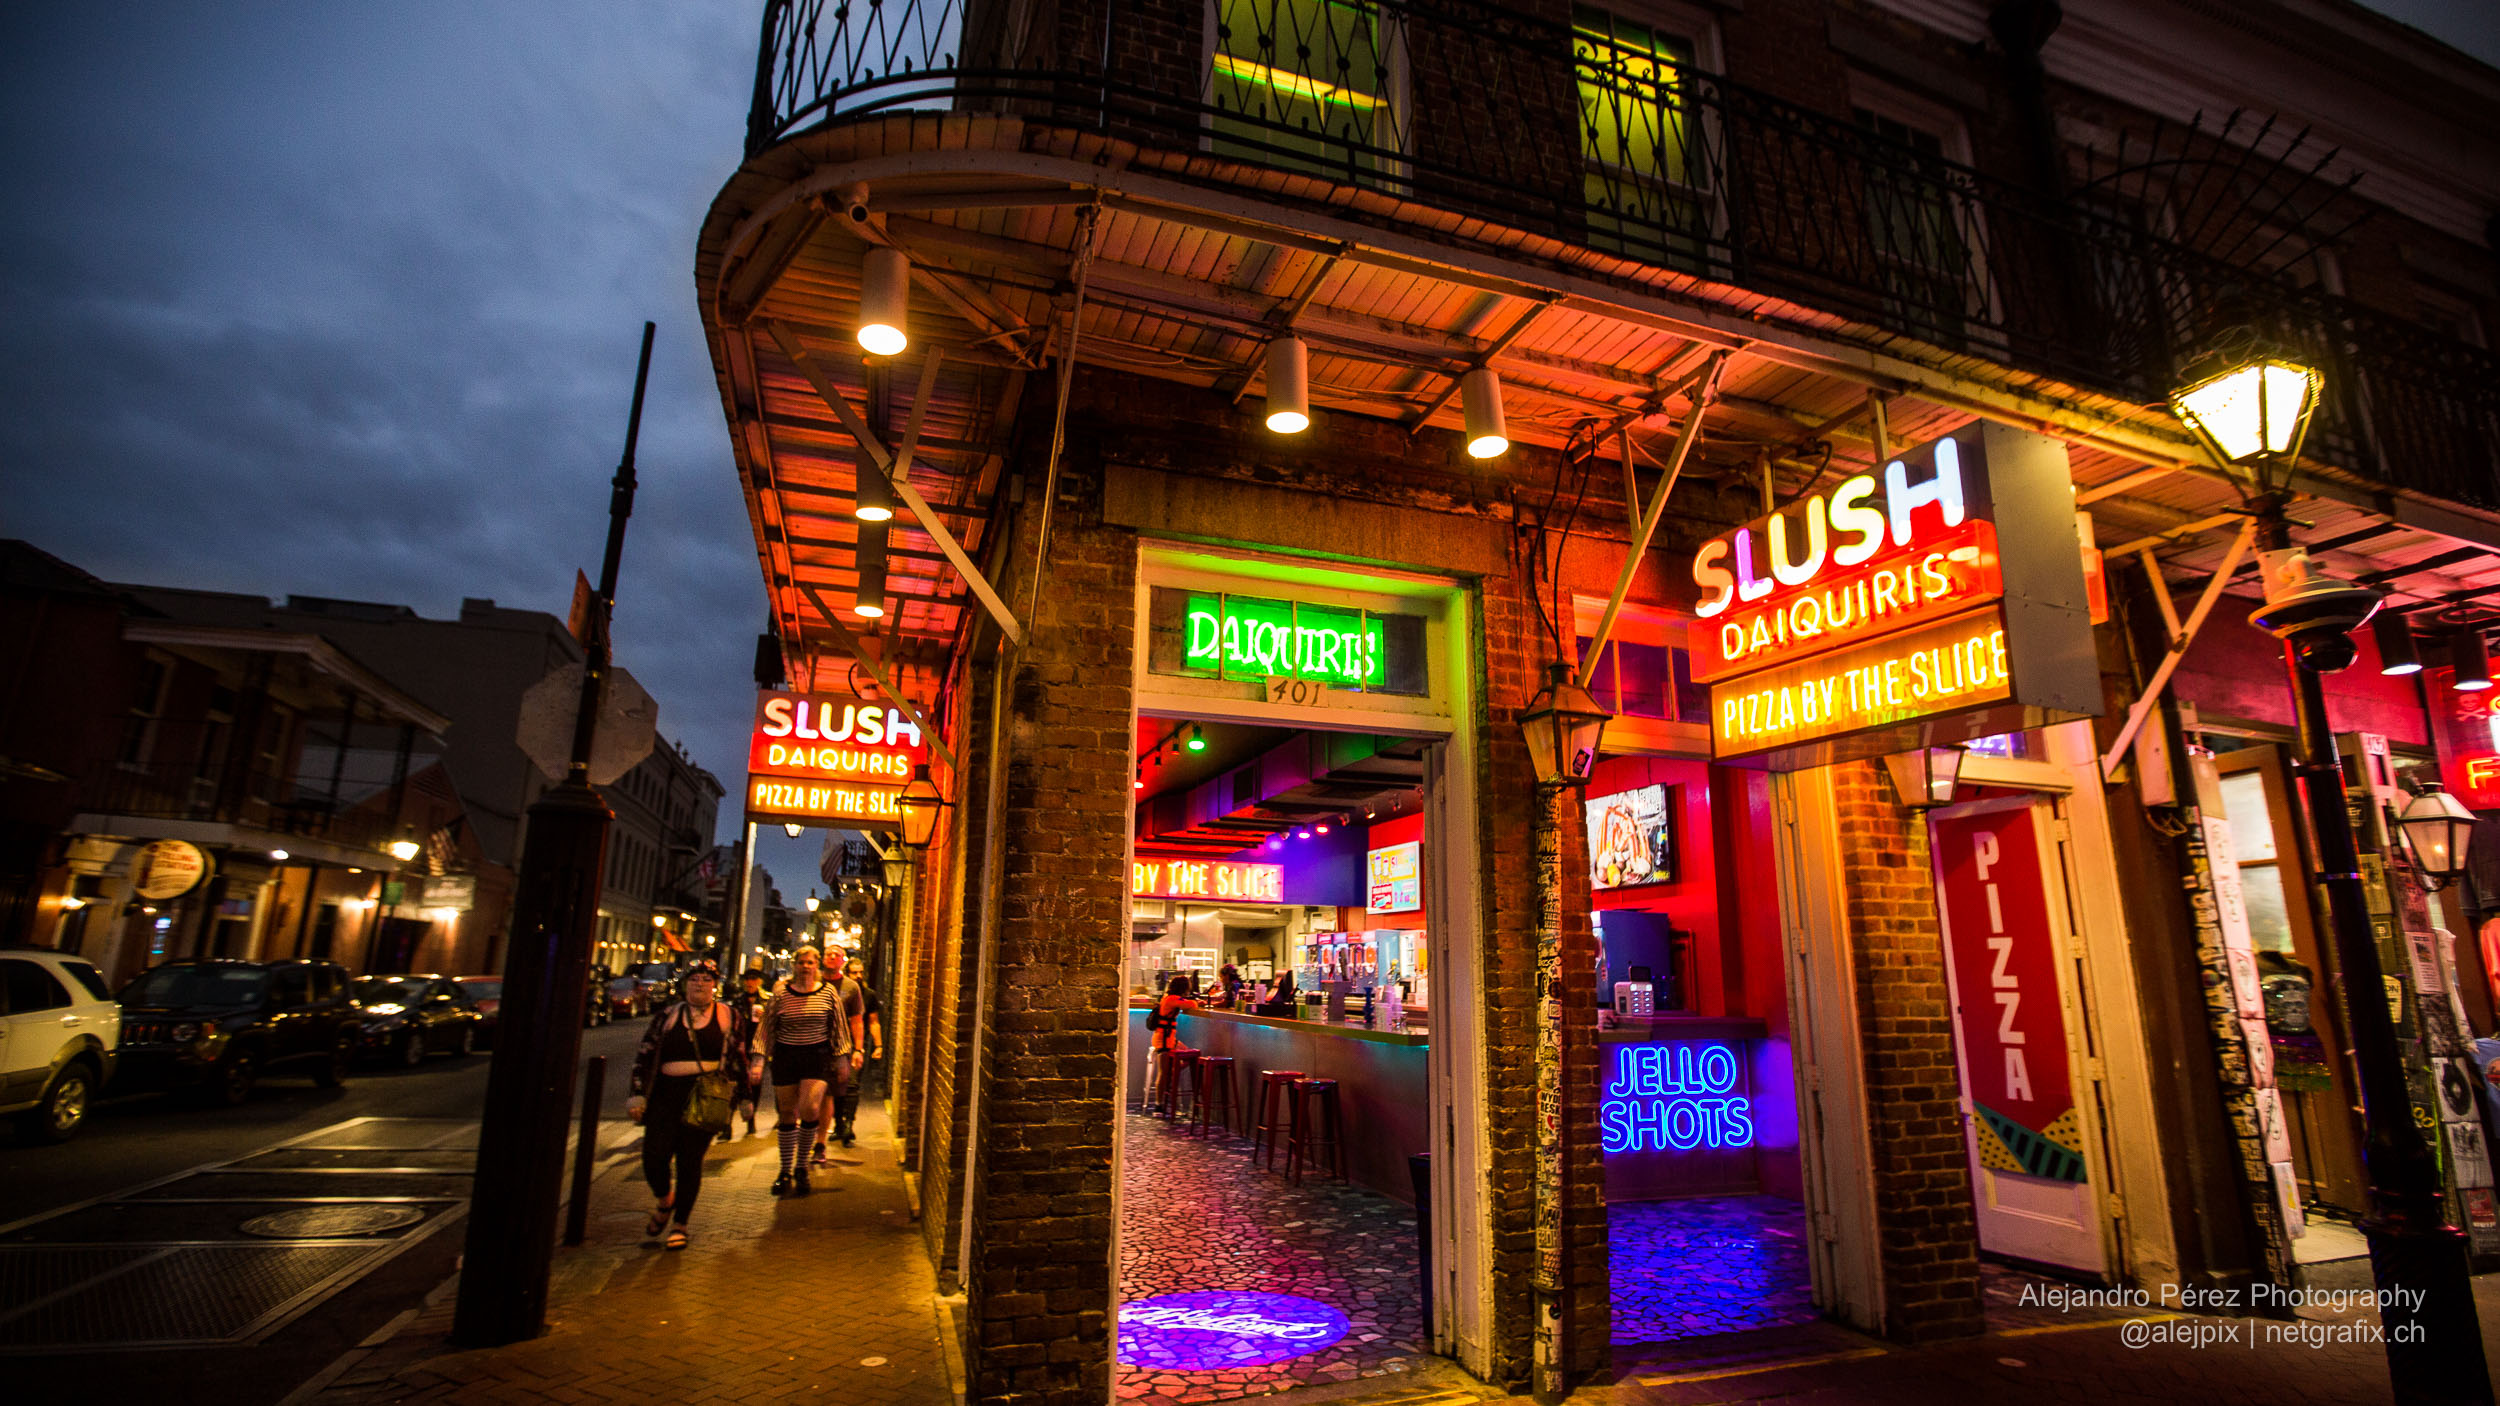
2397, 653
1487, 436
884, 301
869, 599
872, 499
1288, 386
2471, 660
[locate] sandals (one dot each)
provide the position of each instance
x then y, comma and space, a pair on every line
658, 1222
676, 1239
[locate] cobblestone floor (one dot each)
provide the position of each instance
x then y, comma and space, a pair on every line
1725, 1264
1197, 1216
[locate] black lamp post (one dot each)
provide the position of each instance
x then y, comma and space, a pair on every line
1564, 727
2251, 408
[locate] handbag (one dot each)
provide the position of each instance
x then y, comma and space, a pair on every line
709, 1102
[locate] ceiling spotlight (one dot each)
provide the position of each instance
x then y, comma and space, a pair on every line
277, 854
1481, 392
1138, 785
1302, 834
2397, 653
1197, 740
2471, 660
1322, 827
1274, 842
1288, 386
872, 497
868, 598
884, 301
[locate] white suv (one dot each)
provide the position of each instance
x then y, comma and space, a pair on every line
59, 1029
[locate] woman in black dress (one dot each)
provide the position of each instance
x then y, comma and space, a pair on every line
687, 1039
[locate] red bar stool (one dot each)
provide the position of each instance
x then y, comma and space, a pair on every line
1183, 1064
1314, 1127
1275, 1112
1216, 1105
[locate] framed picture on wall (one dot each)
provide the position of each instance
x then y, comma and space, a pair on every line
1632, 838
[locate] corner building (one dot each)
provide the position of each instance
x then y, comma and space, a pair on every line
1578, 306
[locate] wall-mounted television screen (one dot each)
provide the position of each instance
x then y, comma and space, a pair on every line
1631, 838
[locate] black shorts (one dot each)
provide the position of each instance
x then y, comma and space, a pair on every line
792, 1063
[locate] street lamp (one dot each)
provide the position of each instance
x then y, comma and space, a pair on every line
1564, 726
793, 829
2251, 409
2437, 827
1924, 778
402, 850
921, 806
897, 869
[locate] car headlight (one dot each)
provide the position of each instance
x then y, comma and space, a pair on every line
211, 1039
186, 1032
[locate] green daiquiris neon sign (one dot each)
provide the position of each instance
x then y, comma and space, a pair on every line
1292, 639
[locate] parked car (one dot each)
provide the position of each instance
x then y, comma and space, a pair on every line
657, 980
625, 999
220, 1025
405, 1018
59, 1034
598, 1012
485, 995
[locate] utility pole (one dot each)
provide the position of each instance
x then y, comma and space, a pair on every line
529, 1089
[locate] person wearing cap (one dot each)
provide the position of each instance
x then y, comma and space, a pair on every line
697, 1035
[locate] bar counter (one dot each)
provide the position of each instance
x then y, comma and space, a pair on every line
1380, 1081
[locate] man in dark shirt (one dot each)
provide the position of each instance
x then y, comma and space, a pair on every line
860, 1004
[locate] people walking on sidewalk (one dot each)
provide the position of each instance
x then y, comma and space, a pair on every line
692, 1064
859, 1004
806, 1033
749, 1003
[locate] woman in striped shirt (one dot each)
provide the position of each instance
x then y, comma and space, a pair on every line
799, 1027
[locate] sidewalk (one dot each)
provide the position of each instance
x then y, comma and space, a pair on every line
829, 1298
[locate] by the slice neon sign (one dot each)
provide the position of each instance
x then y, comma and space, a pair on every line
1675, 1098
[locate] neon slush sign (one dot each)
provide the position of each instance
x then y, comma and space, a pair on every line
1207, 1331
1282, 638
830, 757
1938, 599
1675, 1098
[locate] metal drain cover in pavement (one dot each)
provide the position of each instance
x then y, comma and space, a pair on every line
331, 1222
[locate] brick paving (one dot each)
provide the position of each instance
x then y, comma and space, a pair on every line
1197, 1216
1723, 1264
824, 1299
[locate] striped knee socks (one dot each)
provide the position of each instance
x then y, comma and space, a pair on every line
789, 1135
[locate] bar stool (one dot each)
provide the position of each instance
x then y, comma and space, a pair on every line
1275, 1111
1315, 1126
1216, 1105
1183, 1063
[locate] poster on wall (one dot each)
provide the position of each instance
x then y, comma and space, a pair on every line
2008, 1020
1396, 877
1631, 839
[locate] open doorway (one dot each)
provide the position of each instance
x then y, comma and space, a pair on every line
1707, 1228
1279, 923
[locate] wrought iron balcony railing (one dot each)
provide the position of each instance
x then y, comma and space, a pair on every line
1602, 133
169, 769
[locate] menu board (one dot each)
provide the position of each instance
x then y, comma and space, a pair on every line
1631, 839
1397, 879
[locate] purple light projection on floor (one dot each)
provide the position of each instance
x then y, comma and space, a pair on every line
1210, 1331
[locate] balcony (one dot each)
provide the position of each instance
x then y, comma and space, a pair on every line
169, 769
1601, 137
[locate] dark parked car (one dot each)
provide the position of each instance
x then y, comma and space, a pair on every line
221, 1025
657, 982
485, 995
405, 1018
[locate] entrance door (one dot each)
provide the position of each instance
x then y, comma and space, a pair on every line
2026, 1096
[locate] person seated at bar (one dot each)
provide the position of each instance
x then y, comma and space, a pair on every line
1280, 1002
1162, 1024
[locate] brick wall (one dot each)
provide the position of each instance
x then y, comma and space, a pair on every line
1039, 1279
955, 977
1926, 1228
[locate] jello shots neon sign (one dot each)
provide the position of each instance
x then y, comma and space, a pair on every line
1675, 1098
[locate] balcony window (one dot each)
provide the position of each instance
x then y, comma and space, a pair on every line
1929, 273
1647, 681
1640, 170
1309, 85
